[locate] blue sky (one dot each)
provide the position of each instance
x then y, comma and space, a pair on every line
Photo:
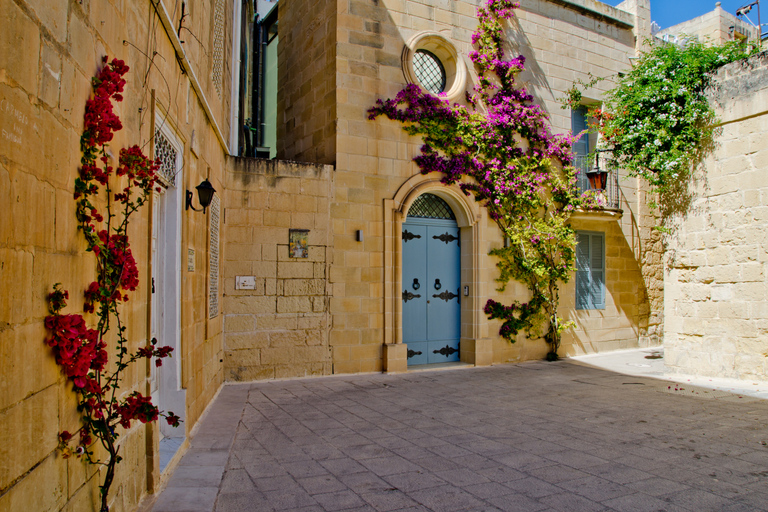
671, 12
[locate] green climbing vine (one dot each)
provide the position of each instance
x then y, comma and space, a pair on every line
657, 121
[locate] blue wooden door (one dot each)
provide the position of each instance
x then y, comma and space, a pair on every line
431, 290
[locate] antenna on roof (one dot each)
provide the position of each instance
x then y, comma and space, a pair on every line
745, 9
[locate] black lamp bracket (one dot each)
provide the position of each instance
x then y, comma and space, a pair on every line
190, 195
205, 193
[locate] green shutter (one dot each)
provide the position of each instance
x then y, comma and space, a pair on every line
590, 270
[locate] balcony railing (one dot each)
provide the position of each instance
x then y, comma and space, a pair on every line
608, 198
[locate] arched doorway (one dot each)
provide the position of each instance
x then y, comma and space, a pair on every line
431, 263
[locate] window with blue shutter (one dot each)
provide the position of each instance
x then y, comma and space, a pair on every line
590, 270
579, 123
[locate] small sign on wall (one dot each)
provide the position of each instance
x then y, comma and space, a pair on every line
298, 243
190, 260
245, 283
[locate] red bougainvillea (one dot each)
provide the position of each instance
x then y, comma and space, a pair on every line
82, 351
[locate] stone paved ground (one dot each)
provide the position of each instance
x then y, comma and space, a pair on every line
527, 437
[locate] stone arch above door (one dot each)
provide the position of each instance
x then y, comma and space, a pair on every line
465, 208
468, 216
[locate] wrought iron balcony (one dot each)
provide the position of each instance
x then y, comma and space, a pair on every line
607, 198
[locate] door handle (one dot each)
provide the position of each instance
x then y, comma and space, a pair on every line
437, 284
416, 284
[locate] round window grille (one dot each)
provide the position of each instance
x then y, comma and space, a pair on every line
429, 206
429, 71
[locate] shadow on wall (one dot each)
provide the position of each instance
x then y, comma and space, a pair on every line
533, 74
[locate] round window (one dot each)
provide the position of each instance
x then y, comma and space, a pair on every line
429, 71
431, 61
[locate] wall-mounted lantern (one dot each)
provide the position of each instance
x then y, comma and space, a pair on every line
205, 193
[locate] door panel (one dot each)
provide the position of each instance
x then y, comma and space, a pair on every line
414, 283
431, 286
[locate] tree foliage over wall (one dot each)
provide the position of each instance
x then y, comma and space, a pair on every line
657, 121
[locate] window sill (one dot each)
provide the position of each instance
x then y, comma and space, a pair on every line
605, 214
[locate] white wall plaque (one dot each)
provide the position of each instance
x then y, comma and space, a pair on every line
245, 283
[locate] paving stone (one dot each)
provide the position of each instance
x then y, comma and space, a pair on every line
283, 499
445, 498
435, 463
275, 483
321, 484
596, 489
197, 476
517, 503
235, 480
394, 464
363, 483
618, 473
640, 502
388, 500
557, 474
533, 487
344, 466
502, 474
530, 437
305, 468
656, 486
488, 490
365, 451
414, 480
186, 499
240, 501
462, 477
696, 499
568, 502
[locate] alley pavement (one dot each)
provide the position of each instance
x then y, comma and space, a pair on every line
520, 437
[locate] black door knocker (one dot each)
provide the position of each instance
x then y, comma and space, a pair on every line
437, 284
416, 284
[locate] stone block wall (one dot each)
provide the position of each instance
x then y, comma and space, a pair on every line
49, 52
716, 296
306, 97
562, 41
277, 324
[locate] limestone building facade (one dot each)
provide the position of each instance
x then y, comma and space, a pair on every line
300, 266
345, 309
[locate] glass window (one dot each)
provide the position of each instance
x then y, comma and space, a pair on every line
581, 149
429, 71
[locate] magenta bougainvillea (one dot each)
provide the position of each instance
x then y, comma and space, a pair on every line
82, 351
499, 149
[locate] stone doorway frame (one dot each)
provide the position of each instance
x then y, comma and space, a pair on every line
470, 218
